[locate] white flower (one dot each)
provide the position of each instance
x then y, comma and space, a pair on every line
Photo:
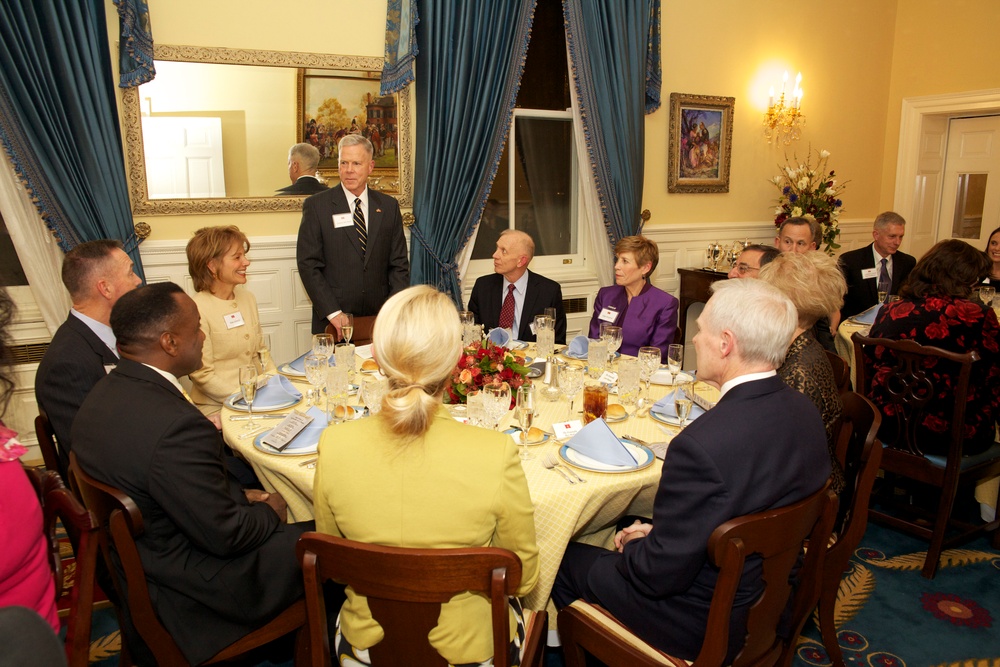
776, 180
824, 154
778, 210
796, 212
803, 183
791, 172
830, 191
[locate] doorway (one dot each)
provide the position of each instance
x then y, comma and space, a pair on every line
970, 197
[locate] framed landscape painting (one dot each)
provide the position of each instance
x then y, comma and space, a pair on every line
701, 135
334, 103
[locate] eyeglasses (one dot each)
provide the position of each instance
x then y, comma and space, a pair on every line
743, 268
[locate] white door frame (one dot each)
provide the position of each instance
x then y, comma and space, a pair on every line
910, 136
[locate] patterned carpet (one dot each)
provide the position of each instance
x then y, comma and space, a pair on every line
887, 616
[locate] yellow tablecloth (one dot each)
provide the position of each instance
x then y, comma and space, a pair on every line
563, 512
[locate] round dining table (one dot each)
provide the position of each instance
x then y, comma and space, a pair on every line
582, 511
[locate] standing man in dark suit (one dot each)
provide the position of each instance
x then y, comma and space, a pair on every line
303, 161
762, 446
878, 265
351, 251
96, 274
219, 561
529, 293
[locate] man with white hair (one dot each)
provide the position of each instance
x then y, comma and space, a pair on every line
762, 446
303, 161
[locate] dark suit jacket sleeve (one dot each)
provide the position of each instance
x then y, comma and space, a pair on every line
399, 263
188, 480
690, 503
310, 256
475, 306
557, 303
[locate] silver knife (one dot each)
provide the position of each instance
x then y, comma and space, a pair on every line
245, 418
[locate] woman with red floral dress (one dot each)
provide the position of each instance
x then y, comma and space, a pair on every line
935, 310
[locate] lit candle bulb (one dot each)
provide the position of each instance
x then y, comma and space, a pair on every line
798, 99
770, 97
784, 80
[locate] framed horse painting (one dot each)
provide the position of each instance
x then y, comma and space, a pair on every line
701, 135
335, 103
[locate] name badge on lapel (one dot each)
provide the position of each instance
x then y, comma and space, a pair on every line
342, 220
234, 320
608, 315
869, 273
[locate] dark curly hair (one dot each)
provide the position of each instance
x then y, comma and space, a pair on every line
7, 312
950, 268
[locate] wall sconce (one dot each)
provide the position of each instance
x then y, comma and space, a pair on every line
783, 119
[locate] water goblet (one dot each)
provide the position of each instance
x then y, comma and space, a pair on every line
322, 345
497, 402
675, 359
571, 382
336, 394
986, 295
248, 387
628, 381
649, 361
373, 393
613, 335
545, 335
347, 326
525, 416
597, 357
344, 357
316, 366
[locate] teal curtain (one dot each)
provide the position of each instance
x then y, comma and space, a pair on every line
59, 121
614, 50
400, 45
467, 76
135, 52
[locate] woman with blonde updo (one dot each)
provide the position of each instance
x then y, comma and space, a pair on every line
413, 476
218, 262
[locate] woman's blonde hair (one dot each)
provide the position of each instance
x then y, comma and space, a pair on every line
210, 243
417, 340
812, 280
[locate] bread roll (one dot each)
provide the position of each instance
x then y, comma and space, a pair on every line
343, 412
369, 365
615, 411
535, 434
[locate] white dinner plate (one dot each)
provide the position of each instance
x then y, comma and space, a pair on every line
665, 419
515, 434
286, 369
291, 450
235, 402
644, 456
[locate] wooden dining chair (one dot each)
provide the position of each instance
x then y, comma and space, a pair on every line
909, 389
841, 371
364, 325
405, 589
59, 504
47, 443
778, 537
120, 523
859, 453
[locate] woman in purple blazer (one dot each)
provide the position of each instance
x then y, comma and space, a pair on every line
646, 314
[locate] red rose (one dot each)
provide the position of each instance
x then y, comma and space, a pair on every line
965, 311
899, 309
936, 330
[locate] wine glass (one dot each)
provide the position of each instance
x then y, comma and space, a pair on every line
497, 401
525, 416
881, 296
612, 334
322, 345
373, 392
264, 352
675, 359
248, 387
571, 382
347, 328
986, 295
682, 403
316, 365
649, 361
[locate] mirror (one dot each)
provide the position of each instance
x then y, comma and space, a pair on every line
245, 104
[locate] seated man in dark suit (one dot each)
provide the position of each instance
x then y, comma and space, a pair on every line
220, 561
303, 160
762, 446
878, 267
96, 274
529, 293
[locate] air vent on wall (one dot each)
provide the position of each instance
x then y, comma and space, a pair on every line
27, 354
578, 305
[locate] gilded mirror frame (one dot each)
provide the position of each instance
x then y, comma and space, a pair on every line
132, 130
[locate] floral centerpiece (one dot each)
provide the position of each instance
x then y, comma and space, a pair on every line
810, 192
480, 364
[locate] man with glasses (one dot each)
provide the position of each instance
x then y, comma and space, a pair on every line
752, 259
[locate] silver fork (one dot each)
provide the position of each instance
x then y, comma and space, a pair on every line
549, 463
550, 458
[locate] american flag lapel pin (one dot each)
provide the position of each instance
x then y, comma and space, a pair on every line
378, 210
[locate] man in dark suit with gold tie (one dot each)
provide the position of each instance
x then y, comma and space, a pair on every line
351, 251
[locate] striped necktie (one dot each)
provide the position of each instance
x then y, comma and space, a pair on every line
359, 224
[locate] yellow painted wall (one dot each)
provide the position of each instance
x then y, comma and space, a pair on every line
941, 46
741, 49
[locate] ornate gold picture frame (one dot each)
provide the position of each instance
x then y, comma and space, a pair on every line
701, 136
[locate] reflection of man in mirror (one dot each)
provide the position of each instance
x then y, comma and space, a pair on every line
303, 160
351, 251
491, 225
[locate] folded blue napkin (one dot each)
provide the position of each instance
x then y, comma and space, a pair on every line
309, 436
277, 392
596, 441
868, 317
499, 336
577, 348
665, 407
299, 364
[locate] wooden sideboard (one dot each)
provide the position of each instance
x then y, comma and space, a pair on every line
695, 284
